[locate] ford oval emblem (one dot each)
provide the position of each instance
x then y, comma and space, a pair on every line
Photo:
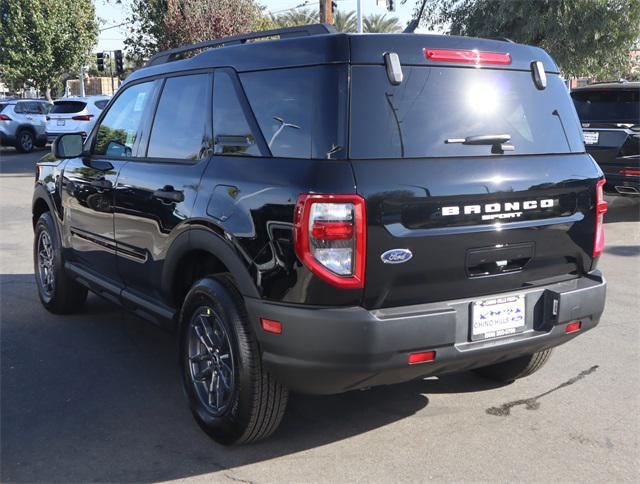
396, 256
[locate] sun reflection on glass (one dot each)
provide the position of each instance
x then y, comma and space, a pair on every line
483, 98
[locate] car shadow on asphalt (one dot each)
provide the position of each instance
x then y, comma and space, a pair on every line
96, 396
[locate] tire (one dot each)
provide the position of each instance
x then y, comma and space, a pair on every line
24, 141
233, 399
511, 370
58, 292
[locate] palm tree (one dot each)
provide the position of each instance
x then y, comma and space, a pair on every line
345, 22
296, 17
376, 23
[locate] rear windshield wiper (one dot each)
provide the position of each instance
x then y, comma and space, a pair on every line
498, 142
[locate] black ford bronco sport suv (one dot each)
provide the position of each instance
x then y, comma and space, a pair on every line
322, 212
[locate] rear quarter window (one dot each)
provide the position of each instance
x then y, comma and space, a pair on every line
101, 104
67, 107
301, 111
434, 104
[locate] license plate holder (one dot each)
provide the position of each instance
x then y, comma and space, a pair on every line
496, 317
591, 137
60, 122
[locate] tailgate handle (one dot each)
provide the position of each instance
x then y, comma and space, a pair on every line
497, 260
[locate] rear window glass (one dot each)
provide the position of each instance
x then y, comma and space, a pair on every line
301, 111
67, 107
2, 106
615, 105
435, 104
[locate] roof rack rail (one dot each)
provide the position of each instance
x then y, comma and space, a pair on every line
299, 31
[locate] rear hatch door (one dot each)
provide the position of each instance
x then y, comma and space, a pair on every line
476, 219
68, 117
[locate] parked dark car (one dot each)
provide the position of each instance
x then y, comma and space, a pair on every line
610, 117
326, 212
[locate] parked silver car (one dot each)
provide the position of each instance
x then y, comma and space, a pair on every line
23, 123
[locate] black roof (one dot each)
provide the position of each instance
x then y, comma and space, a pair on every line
334, 48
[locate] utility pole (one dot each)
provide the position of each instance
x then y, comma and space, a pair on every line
326, 14
82, 80
359, 15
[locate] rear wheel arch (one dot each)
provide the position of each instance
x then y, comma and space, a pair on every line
197, 253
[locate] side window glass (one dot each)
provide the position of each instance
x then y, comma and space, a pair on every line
231, 131
20, 108
119, 128
179, 125
301, 111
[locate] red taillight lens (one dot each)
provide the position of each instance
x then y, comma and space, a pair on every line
467, 56
332, 230
83, 117
629, 171
4, 117
572, 327
422, 357
601, 209
330, 237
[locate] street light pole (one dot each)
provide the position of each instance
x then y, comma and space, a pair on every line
359, 15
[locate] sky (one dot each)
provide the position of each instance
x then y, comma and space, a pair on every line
113, 14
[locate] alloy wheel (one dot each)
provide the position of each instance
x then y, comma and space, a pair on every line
26, 141
46, 263
211, 361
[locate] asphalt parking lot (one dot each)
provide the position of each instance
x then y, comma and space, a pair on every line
95, 396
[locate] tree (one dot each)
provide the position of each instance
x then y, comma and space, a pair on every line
296, 17
163, 24
44, 39
376, 23
585, 37
345, 22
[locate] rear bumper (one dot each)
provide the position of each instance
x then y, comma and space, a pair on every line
332, 350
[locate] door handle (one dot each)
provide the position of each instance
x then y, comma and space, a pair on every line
102, 184
169, 194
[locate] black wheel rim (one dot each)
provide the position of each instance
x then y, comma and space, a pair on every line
45, 264
210, 360
26, 141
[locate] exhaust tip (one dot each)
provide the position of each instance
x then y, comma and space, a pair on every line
622, 190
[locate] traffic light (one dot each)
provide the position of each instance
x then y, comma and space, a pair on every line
391, 5
119, 62
100, 60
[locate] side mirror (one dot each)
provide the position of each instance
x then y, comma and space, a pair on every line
67, 145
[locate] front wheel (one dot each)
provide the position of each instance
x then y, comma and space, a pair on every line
231, 396
58, 292
520, 367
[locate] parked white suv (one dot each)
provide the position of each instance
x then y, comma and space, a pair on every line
23, 123
74, 115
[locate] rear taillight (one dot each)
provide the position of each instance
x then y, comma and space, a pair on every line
83, 117
4, 117
330, 237
629, 171
601, 209
467, 56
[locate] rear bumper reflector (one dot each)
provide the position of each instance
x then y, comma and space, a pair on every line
423, 357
